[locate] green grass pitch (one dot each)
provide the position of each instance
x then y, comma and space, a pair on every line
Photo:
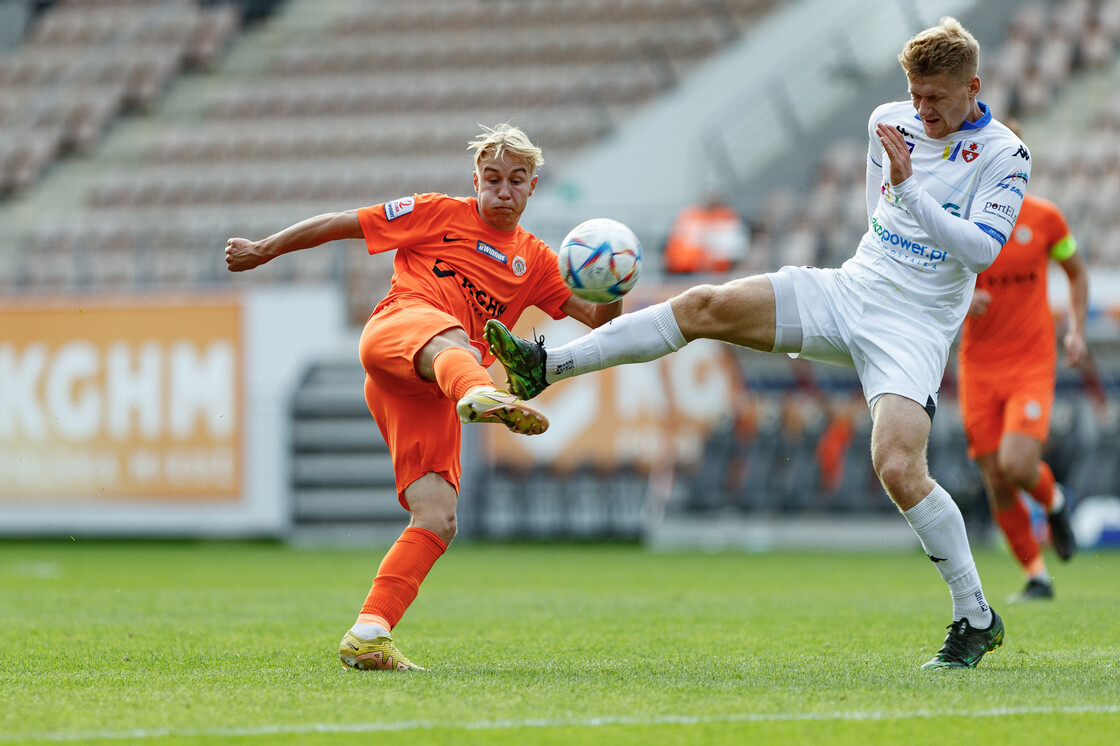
222, 643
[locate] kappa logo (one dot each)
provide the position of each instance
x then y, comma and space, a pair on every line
1023, 153
937, 559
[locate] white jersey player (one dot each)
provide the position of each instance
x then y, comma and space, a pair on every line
945, 182
978, 173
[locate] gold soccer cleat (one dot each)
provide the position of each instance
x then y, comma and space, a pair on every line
378, 654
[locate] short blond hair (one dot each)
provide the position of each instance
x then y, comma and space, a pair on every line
945, 49
505, 139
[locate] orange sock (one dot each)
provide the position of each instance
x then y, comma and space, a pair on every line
402, 571
1016, 525
457, 372
1043, 490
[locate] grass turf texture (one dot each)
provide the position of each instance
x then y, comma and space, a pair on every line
191, 643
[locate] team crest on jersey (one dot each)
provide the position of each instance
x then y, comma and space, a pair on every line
518, 266
970, 150
398, 207
1023, 234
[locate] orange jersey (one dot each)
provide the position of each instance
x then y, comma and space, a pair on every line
1017, 328
450, 259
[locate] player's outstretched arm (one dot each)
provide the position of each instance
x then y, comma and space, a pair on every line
593, 315
1076, 347
243, 254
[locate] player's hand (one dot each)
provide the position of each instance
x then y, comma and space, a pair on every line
981, 299
895, 145
243, 254
1077, 350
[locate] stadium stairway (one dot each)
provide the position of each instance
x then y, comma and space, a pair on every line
342, 486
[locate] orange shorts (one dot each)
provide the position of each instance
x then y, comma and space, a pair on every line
994, 402
417, 421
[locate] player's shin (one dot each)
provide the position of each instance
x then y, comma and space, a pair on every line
636, 337
940, 526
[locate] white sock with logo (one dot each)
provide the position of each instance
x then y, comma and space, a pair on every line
940, 526
636, 337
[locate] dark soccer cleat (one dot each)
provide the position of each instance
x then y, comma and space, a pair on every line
1036, 590
522, 360
1061, 532
965, 645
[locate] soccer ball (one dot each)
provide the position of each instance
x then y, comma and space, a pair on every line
600, 260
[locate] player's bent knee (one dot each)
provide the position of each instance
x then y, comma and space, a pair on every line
740, 312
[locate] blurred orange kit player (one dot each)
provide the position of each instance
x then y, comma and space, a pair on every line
1006, 365
458, 263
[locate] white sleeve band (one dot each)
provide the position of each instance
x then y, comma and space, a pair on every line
968, 242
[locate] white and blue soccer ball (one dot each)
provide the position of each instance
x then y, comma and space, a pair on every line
600, 260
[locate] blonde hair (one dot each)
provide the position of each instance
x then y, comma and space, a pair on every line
503, 140
945, 49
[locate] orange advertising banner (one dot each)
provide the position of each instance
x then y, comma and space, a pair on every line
117, 400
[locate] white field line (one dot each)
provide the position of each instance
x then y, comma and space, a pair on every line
595, 722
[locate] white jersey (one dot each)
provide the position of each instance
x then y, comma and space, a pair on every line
978, 175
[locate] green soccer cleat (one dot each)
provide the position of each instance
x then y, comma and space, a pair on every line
965, 645
523, 360
492, 405
378, 654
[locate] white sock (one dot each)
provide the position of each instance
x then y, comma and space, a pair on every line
1059, 501
631, 338
940, 526
368, 631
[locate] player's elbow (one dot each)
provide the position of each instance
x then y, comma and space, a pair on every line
982, 252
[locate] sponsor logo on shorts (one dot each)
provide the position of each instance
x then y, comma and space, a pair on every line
490, 251
398, 207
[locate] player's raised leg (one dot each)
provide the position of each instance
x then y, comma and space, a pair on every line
741, 312
455, 366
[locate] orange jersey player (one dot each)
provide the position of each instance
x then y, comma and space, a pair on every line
1006, 366
459, 262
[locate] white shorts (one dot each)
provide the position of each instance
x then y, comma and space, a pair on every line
822, 317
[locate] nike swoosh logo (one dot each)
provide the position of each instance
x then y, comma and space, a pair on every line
453, 238
353, 646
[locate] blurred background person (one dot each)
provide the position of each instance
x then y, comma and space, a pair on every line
1007, 359
708, 237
